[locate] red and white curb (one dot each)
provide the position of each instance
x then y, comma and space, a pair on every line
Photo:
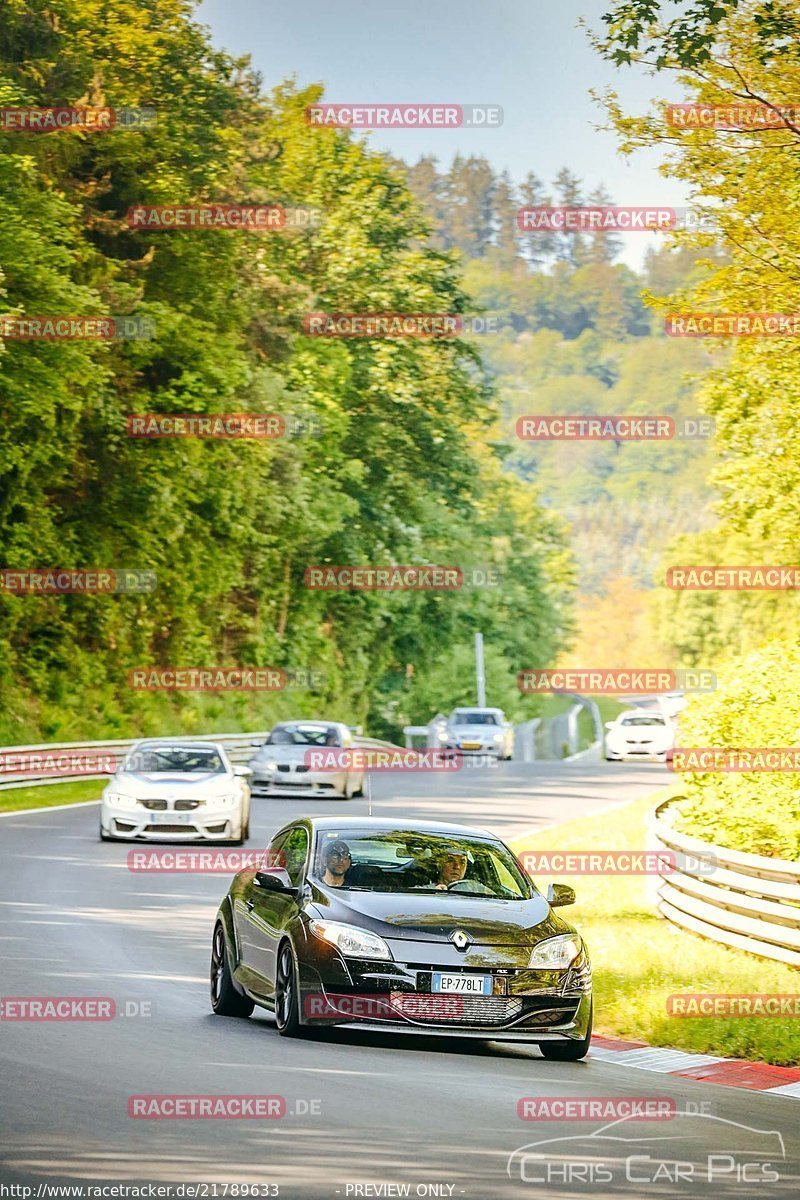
731, 1072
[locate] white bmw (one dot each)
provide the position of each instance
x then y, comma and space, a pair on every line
281, 767
639, 733
176, 791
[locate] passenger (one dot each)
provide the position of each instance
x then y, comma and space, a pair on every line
337, 859
452, 869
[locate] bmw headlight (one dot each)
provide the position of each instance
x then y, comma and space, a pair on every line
497, 737
556, 953
119, 800
350, 941
226, 801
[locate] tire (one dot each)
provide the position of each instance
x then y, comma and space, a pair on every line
287, 994
104, 837
225, 1000
358, 793
568, 1051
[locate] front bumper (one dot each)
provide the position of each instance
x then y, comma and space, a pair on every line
467, 749
525, 1005
204, 824
636, 750
294, 782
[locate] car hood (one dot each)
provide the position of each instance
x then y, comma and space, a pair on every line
288, 754
168, 784
434, 917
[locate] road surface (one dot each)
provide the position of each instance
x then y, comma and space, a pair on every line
367, 1115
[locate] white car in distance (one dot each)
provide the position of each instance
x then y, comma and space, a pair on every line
173, 790
480, 731
639, 733
283, 765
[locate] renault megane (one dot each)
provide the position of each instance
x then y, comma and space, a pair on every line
402, 926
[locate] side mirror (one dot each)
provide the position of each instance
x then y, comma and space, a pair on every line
274, 879
559, 894
609, 724
242, 771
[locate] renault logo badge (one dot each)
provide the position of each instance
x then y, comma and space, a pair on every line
460, 939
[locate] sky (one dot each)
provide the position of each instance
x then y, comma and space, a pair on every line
526, 55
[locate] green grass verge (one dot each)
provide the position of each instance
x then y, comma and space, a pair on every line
50, 796
639, 959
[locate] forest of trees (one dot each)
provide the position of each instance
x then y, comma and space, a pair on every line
575, 334
405, 470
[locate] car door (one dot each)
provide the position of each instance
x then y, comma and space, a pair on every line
248, 936
267, 913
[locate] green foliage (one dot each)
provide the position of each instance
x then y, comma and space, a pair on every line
401, 472
636, 29
755, 705
706, 628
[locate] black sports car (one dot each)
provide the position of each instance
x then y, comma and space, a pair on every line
417, 928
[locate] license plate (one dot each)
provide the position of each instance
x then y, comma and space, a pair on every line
470, 745
171, 818
464, 985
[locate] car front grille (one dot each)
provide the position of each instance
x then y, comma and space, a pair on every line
154, 805
187, 805
456, 1010
559, 1013
169, 829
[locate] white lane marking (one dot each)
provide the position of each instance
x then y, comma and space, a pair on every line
662, 1059
49, 808
276, 1067
656, 1058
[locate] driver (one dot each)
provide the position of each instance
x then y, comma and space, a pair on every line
452, 869
337, 859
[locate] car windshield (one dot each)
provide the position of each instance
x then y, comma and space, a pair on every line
304, 735
408, 861
643, 721
174, 760
463, 716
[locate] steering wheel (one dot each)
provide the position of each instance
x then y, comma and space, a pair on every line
470, 885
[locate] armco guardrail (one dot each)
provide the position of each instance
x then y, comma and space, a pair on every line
746, 901
56, 758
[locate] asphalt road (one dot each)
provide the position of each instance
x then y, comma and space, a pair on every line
367, 1115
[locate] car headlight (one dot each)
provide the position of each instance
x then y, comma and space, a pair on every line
225, 801
350, 941
268, 765
497, 737
556, 953
119, 800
